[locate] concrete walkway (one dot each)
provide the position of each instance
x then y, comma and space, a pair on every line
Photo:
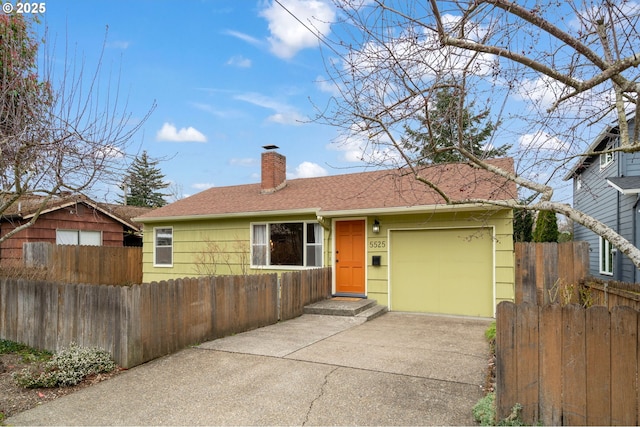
399, 369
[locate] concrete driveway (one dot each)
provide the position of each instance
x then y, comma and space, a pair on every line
399, 369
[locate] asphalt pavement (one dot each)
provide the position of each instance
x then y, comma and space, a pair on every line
398, 369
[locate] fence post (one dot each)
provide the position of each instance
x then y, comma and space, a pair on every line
624, 366
574, 365
550, 344
598, 352
506, 372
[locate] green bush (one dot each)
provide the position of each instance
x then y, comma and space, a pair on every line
68, 367
484, 412
490, 333
546, 227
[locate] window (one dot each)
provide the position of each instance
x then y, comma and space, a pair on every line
78, 237
606, 257
163, 255
287, 244
605, 159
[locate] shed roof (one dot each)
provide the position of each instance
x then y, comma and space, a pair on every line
382, 189
27, 206
625, 184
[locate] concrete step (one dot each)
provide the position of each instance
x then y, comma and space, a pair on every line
373, 312
344, 306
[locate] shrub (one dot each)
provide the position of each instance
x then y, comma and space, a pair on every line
484, 411
490, 333
68, 367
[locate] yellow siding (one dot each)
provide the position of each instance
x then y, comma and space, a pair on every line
500, 221
194, 240
207, 247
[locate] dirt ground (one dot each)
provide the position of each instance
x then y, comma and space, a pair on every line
15, 399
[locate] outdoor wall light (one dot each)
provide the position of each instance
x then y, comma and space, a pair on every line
376, 226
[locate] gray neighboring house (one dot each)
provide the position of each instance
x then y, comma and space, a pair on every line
607, 187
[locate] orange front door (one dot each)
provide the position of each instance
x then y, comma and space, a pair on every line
350, 257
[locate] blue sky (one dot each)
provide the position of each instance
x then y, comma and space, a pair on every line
227, 76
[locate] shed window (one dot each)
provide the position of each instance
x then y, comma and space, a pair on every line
79, 237
287, 244
606, 257
163, 246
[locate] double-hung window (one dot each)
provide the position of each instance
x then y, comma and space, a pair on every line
163, 246
606, 257
294, 244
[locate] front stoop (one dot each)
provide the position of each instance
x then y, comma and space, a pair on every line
340, 306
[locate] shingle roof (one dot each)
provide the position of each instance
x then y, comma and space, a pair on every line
625, 184
26, 206
358, 191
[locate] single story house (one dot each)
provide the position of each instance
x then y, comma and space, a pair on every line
69, 220
606, 186
387, 236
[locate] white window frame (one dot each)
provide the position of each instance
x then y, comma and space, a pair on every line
264, 245
606, 159
156, 246
77, 237
605, 257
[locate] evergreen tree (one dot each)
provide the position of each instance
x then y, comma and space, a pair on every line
546, 227
144, 182
447, 122
522, 225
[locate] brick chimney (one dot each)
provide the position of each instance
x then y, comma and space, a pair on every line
274, 170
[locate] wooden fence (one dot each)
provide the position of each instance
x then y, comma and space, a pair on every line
543, 270
141, 322
298, 290
567, 365
611, 293
104, 265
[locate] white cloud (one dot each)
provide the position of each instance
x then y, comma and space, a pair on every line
541, 141
108, 151
203, 185
118, 44
357, 147
244, 162
308, 170
288, 34
327, 86
170, 133
284, 113
287, 118
245, 37
239, 61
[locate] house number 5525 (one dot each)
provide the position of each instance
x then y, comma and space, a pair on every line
377, 244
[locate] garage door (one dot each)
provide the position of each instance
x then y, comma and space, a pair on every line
447, 271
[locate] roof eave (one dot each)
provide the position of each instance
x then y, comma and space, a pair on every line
624, 191
89, 203
181, 218
327, 213
409, 209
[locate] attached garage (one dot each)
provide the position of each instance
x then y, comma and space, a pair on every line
448, 270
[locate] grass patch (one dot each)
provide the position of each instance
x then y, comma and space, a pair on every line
28, 354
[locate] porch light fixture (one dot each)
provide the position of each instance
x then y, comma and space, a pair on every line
376, 226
